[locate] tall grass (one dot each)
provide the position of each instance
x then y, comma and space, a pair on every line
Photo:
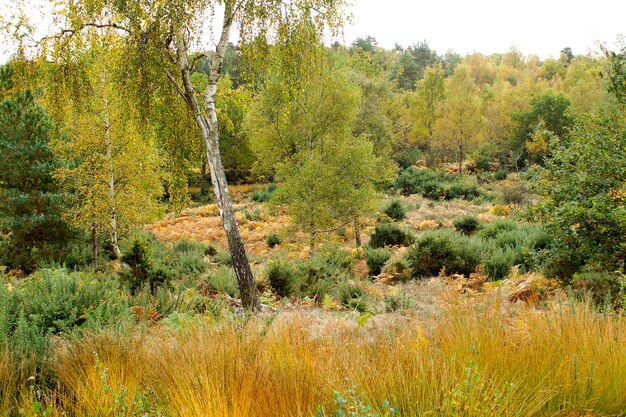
477, 359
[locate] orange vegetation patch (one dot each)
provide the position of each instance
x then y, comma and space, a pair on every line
203, 224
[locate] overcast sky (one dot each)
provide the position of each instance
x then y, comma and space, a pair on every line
541, 27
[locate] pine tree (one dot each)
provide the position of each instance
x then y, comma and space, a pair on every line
30, 198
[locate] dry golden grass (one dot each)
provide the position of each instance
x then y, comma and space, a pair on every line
486, 357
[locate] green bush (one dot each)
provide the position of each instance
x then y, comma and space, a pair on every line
498, 264
435, 250
273, 240
376, 258
493, 229
399, 301
190, 263
56, 301
418, 181
186, 246
223, 258
153, 264
265, 194
137, 257
498, 247
467, 224
223, 281
283, 277
253, 216
500, 174
406, 157
353, 295
604, 289
459, 187
324, 270
435, 186
395, 210
390, 234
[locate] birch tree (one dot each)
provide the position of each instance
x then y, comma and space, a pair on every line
303, 134
163, 36
111, 165
459, 124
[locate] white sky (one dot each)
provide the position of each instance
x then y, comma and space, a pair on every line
541, 27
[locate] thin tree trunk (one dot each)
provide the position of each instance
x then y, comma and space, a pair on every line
209, 128
312, 245
94, 247
461, 160
109, 156
357, 232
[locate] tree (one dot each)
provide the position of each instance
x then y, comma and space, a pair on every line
549, 113
161, 34
30, 199
367, 44
459, 121
583, 197
111, 166
583, 84
583, 188
423, 107
305, 135
413, 62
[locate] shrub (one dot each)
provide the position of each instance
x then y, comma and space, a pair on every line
435, 250
210, 250
500, 174
353, 295
406, 157
460, 187
493, 229
435, 186
222, 280
190, 263
499, 263
390, 234
56, 301
324, 270
265, 194
467, 224
376, 258
400, 269
432, 252
273, 240
254, 216
186, 246
399, 301
604, 289
283, 277
418, 181
395, 210
514, 193
223, 258
137, 257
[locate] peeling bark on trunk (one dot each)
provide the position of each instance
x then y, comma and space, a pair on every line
208, 125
